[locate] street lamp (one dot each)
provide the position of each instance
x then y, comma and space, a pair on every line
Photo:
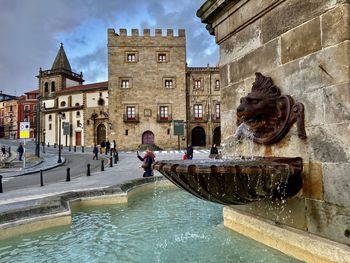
59, 137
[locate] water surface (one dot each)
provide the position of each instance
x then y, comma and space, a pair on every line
164, 225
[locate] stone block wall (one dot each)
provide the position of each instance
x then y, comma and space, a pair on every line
304, 46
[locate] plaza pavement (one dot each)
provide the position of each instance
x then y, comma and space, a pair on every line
127, 168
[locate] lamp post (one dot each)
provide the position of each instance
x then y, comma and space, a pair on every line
44, 131
38, 127
59, 137
93, 117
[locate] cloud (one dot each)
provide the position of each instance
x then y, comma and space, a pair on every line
32, 30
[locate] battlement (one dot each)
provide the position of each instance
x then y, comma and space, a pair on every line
123, 32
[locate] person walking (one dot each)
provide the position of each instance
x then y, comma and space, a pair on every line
189, 152
147, 161
3, 151
20, 151
214, 152
108, 146
103, 145
114, 146
95, 152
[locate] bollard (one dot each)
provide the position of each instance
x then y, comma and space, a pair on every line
110, 161
41, 178
69, 148
54, 145
88, 170
1, 184
82, 149
115, 159
102, 165
68, 175
117, 156
10, 151
75, 148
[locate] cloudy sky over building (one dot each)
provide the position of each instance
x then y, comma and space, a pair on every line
31, 32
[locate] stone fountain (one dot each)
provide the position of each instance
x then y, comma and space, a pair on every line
268, 116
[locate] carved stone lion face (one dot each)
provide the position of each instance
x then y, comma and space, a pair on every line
259, 106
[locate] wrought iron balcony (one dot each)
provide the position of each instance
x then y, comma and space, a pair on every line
168, 118
215, 118
128, 118
203, 118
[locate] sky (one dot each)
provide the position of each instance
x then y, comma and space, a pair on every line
31, 32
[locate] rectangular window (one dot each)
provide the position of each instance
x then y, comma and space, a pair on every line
217, 84
124, 84
164, 112
50, 126
217, 111
10, 107
197, 84
168, 83
131, 113
78, 123
26, 108
161, 57
198, 111
131, 57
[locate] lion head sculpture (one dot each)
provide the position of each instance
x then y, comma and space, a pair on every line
269, 115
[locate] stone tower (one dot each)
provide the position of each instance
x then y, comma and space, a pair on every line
59, 77
147, 87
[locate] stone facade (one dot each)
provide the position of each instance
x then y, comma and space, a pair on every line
203, 105
304, 47
147, 88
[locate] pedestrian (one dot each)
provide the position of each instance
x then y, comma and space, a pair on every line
114, 146
108, 146
20, 151
95, 152
214, 152
103, 145
185, 156
3, 150
189, 152
147, 161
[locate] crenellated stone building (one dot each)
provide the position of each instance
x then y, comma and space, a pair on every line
149, 87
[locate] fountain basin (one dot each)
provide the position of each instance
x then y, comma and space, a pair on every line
236, 181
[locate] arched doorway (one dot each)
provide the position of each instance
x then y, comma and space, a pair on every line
101, 133
217, 136
148, 137
198, 136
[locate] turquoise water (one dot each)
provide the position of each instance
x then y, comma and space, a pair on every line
157, 226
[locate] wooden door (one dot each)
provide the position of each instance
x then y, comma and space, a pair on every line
78, 138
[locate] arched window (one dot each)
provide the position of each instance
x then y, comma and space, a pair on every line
46, 87
77, 104
101, 102
50, 117
52, 86
63, 103
78, 114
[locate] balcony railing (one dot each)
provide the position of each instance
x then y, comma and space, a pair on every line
203, 118
215, 118
128, 118
160, 118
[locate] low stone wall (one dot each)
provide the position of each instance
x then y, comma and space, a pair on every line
34, 215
